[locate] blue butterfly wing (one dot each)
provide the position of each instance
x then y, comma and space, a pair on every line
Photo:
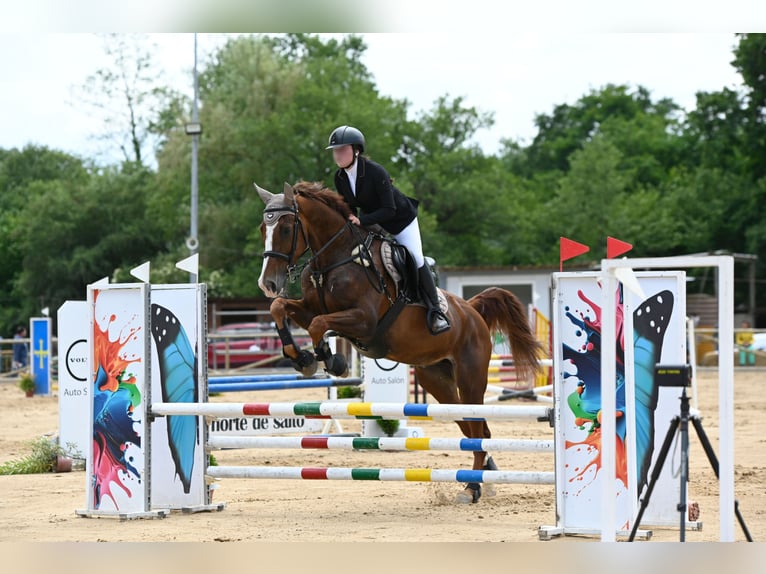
178, 373
650, 321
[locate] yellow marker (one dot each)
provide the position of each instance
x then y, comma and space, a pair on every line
500, 370
360, 409
417, 443
418, 474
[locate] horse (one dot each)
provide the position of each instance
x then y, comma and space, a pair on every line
347, 291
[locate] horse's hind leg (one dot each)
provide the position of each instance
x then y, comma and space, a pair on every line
439, 381
471, 382
481, 461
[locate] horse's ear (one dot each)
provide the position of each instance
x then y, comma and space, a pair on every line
289, 192
266, 196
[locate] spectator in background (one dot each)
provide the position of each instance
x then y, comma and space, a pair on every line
744, 339
20, 350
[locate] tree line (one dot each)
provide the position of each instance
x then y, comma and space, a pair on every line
616, 162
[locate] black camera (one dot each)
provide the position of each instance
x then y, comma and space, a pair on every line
673, 375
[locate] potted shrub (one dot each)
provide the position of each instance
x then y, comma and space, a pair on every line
388, 426
46, 456
27, 384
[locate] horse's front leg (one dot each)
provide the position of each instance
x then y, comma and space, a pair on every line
303, 360
356, 323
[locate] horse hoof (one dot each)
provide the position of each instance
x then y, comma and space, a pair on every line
465, 497
489, 490
309, 371
470, 495
305, 363
336, 365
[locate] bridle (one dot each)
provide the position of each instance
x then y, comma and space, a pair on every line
293, 271
292, 260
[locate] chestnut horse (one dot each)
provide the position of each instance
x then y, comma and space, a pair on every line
347, 290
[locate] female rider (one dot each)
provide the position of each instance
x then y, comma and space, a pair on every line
366, 185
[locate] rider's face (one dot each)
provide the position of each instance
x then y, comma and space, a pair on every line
343, 156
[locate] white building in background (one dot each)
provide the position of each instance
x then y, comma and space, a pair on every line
530, 284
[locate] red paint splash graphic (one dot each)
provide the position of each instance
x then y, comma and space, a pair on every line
592, 444
595, 324
106, 472
109, 355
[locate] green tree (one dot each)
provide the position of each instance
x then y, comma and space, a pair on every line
713, 133
750, 62
135, 106
456, 184
590, 196
72, 234
24, 174
613, 109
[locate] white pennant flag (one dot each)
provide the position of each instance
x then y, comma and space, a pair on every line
141, 272
190, 264
628, 278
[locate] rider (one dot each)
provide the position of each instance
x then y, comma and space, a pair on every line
366, 185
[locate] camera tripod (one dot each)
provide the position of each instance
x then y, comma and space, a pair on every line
680, 423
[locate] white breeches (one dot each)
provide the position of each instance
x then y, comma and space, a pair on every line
410, 238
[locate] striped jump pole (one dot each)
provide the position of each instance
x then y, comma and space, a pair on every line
264, 378
502, 379
383, 474
500, 369
237, 385
356, 410
533, 393
498, 361
383, 443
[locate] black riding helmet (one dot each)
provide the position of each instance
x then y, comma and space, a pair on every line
346, 135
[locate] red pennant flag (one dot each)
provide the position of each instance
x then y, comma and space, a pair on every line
569, 249
615, 247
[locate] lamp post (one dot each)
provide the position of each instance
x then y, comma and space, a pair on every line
194, 129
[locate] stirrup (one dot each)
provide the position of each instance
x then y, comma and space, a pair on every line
437, 322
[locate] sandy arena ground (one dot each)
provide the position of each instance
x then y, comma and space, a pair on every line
42, 507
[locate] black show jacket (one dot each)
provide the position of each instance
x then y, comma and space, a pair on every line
376, 197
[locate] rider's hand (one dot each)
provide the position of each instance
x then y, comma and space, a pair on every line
354, 219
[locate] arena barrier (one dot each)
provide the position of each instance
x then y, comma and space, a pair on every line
383, 474
506, 394
356, 410
275, 383
384, 443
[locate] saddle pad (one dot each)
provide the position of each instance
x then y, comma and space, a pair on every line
388, 261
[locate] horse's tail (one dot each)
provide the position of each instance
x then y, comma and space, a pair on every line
502, 311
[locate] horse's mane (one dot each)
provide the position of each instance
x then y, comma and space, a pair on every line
315, 190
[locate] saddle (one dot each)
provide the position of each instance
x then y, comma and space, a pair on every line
401, 266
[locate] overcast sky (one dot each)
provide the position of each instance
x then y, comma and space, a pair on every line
515, 75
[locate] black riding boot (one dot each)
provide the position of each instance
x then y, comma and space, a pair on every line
435, 319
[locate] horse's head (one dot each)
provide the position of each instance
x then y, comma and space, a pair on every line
284, 239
